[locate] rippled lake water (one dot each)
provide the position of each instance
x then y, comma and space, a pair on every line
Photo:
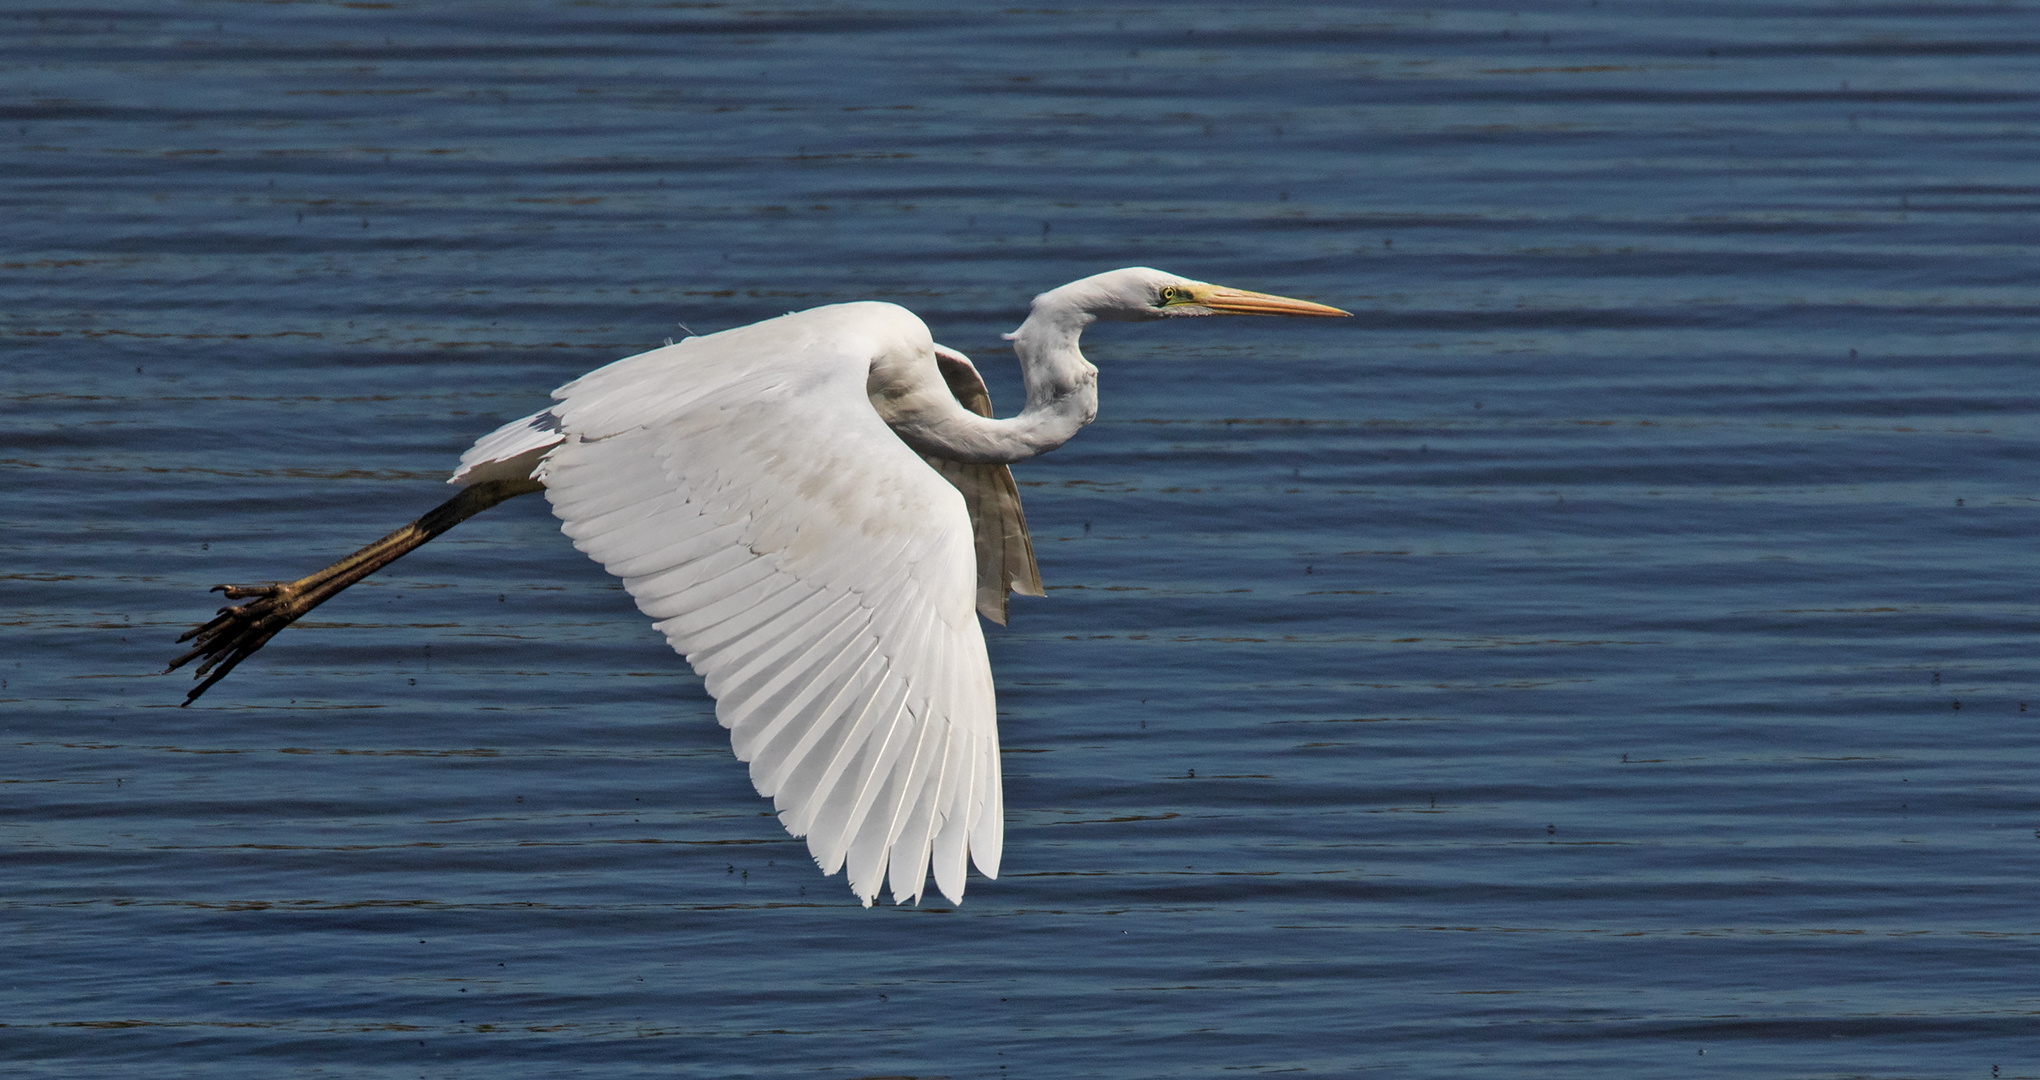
1609, 655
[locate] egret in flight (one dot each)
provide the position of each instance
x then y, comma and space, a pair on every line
815, 509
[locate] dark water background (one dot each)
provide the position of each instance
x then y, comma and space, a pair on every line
1609, 655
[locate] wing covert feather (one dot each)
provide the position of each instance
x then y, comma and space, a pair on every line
1005, 553
812, 568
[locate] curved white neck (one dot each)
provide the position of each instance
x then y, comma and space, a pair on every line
1062, 395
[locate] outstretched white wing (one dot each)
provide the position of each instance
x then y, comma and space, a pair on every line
813, 569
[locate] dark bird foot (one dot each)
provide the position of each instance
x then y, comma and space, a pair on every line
237, 631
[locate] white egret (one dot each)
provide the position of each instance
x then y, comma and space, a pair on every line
811, 507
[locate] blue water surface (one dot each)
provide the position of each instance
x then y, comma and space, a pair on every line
1608, 655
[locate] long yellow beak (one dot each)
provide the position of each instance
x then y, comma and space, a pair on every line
1241, 302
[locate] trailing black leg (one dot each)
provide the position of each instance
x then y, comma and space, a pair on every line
237, 631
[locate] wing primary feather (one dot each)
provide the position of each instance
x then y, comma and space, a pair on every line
838, 788
830, 746
879, 787
745, 661
952, 834
907, 835
752, 625
811, 730
767, 692
853, 801
988, 811
729, 582
680, 553
678, 591
891, 789
892, 806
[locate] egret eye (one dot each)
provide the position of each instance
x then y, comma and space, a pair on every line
1174, 294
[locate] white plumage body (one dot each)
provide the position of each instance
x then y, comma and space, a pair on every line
815, 508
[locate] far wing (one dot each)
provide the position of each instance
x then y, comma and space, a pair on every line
813, 570
1005, 554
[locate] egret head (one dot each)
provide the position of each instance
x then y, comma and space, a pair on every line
1139, 293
